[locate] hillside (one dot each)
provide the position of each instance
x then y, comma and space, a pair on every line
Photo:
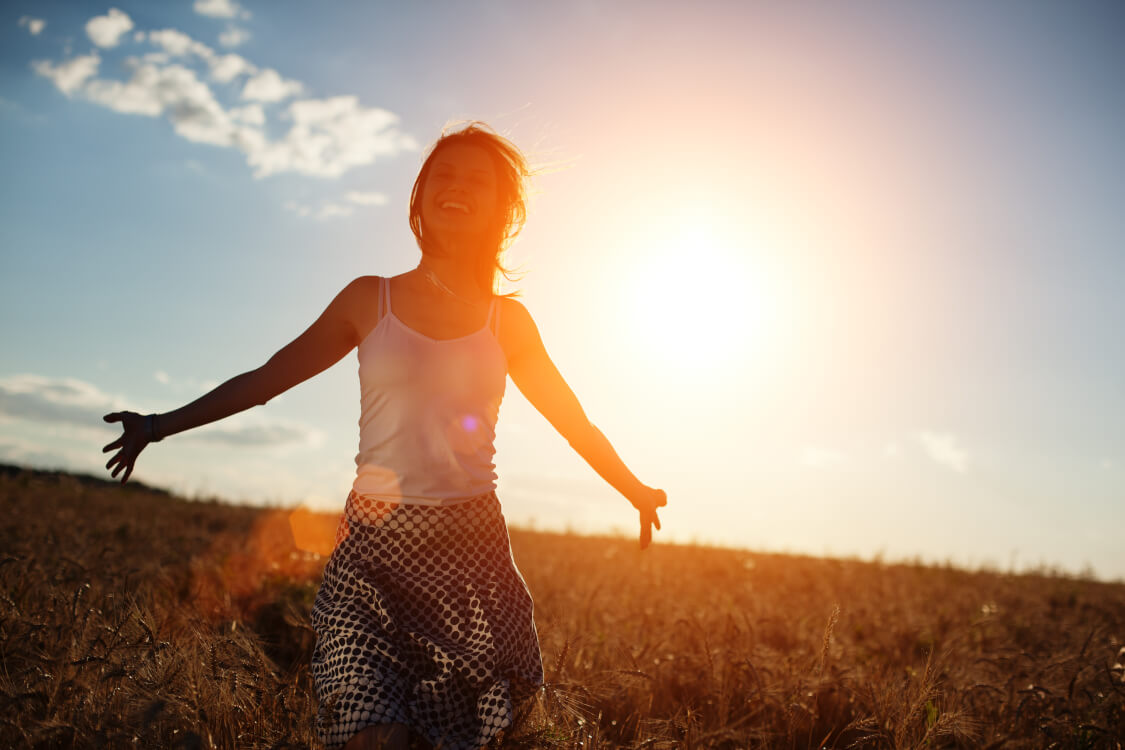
132, 617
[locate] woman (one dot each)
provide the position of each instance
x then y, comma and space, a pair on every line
424, 625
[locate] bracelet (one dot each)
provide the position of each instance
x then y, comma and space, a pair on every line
150, 429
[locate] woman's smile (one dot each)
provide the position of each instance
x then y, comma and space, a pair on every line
459, 196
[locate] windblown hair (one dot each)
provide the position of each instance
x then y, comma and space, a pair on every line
512, 171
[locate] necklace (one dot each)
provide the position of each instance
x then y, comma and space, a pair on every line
435, 281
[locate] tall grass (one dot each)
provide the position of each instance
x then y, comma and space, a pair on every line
132, 618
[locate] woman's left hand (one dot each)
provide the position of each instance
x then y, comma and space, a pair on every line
647, 503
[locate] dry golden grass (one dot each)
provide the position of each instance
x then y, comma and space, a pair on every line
132, 618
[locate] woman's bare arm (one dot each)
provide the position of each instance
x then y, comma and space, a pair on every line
322, 344
540, 382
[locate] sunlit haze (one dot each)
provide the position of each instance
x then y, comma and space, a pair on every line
842, 279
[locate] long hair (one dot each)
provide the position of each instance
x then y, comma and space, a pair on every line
512, 171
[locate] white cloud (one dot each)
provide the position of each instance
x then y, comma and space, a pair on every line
367, 199
225, 68
336, 209
59, 400
162, 377
269, 86
107, 30
234, 36
260, 433
73, 402
944, 449
251, 114
331, 210
329, 137
326, 137
817, 457
220, 9
179, 44
327, 210
174, 91
70, 75
33, 25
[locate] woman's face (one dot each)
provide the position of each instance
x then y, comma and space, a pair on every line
459, 198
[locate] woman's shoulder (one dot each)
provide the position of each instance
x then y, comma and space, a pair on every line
517, 328
365, 283
511, 308
358, 298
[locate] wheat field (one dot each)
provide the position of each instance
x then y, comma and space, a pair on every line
132, 618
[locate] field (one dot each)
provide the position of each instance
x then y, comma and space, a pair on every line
129, 617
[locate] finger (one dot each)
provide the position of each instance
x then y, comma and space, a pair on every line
128, 472
116, 470
646, 532
112, 461
663, 500
115, 444
114, 416
656, 520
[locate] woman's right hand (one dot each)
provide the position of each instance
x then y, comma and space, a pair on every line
132, 441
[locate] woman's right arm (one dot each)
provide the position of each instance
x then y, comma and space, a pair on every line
323, 344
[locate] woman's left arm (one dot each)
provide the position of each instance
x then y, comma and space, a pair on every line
538, 379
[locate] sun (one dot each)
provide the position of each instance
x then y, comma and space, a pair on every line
695, 301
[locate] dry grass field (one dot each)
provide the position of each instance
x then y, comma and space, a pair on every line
131, 618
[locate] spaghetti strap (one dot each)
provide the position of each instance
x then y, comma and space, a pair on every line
493, 320
384, 297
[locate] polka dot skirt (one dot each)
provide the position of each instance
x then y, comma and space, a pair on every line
423, 619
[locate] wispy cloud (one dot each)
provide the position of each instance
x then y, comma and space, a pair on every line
33, 25
28, 453
268, 86
59, 400
334, 209
225, 68
72, 402
326, 210
326, 137
177, 43
945, 449
70, 75
329, 137
262, 434
367, 199
106, 31
220, 9
234, 36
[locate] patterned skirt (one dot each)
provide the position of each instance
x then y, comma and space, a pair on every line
423, 619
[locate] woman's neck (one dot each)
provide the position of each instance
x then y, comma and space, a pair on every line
452, 276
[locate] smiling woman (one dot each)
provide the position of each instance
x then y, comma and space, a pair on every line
424, 625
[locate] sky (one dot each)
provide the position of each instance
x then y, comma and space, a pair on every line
842, 278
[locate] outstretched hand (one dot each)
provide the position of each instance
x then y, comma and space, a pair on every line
647, 505
132, 441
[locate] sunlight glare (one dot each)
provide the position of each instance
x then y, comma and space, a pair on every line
694, 303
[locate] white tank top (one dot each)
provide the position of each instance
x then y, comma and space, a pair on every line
428, 410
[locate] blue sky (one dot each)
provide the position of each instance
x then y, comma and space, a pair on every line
841, 279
